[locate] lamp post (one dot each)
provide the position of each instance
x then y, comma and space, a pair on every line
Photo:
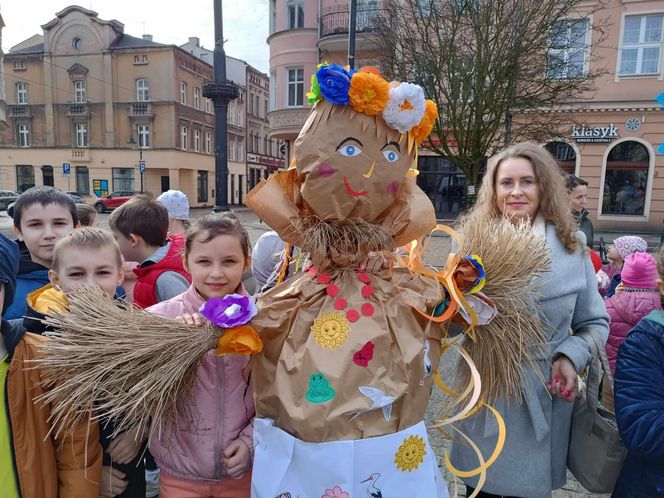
141, 164
221, 92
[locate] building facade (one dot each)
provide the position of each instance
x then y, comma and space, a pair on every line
3, 104
94, 110
611, 141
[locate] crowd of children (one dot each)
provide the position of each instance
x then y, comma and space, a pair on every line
177, 267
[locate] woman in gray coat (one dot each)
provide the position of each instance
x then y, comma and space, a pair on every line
524, 183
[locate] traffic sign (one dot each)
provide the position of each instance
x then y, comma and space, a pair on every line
141, 166
66, 168
660, 100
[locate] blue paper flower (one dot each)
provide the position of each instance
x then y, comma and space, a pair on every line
229, 311
334, 83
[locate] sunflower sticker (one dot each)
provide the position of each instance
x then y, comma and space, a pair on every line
410, 454
331, 330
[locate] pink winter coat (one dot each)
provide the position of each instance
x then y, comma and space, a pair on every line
626, 309
222, 409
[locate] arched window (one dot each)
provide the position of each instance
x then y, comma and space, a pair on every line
626, 179
564, 155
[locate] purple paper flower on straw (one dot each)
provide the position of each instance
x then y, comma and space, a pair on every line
229, 311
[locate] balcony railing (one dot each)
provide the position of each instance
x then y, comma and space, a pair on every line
80, 155
335, 22
78, 110
141, 109
19, 111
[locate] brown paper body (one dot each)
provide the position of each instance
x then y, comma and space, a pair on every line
290, 355
322, 185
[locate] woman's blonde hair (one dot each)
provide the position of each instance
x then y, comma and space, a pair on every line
553, 196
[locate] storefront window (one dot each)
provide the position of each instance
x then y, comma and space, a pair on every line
626, 179
444, 184
564, 155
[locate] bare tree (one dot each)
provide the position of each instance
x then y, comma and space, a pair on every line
501, 70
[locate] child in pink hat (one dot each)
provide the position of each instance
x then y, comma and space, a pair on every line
635, 297
618, 251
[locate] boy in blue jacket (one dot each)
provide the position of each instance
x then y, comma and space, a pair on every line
639, 402
42, 216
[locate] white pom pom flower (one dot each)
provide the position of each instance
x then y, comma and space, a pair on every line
405, 107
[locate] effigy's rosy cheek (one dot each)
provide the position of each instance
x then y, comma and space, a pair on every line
326, 171
393, 188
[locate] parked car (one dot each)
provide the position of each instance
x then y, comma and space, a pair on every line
6, 198
113, 200
79, 198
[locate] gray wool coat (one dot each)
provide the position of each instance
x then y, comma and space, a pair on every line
534, 459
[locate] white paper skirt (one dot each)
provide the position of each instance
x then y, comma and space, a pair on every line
400, 465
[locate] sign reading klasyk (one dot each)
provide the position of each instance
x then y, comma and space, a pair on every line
594, 134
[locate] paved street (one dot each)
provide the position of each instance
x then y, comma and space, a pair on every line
437, 255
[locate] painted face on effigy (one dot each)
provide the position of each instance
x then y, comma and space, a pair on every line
351, 164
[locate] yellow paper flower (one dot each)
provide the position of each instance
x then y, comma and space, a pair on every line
423, 129
410, 454
331, 330
368, 93
242, 340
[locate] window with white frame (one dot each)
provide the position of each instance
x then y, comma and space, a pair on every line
23, 135
296, 87
240, 149
208, 143
295, 14
273, 90
142, 90
183, 92
208, 106
143, 131
184, 137
197, 98
641, 48
79, 92
21, 93
81, 133
568, 43
197, 140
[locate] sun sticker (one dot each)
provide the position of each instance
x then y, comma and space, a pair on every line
410, 454
331, 330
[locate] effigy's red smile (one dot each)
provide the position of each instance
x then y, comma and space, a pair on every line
352, 192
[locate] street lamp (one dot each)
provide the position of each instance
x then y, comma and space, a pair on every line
141, 165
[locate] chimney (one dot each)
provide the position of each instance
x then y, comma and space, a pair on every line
147, 37
194, 40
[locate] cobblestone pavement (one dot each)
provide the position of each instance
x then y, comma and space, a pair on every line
436, 255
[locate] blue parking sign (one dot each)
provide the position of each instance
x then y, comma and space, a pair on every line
66, 168
142, 167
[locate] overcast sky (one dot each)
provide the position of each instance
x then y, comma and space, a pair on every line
245, 22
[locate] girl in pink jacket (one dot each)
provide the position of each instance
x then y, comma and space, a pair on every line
207, 452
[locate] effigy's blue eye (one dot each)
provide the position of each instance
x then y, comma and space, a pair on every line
391, 156
350, 150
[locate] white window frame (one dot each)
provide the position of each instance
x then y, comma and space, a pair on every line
23, 131
297, 82
292, 21
80, 96
197, 98
640, 46
197, 140
568, 50
81, 135
142, 90
144, 136
184, 137
21, 93
208, 142
651, 176
208, 106
183, 92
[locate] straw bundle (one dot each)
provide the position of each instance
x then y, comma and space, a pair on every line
118, 364
507, 347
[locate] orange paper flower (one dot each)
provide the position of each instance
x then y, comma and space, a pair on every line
368, 93
239, 340
423, 130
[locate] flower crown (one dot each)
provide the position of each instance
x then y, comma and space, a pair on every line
402, 105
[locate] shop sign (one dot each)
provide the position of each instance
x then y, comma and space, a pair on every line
273, 162
594, 134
